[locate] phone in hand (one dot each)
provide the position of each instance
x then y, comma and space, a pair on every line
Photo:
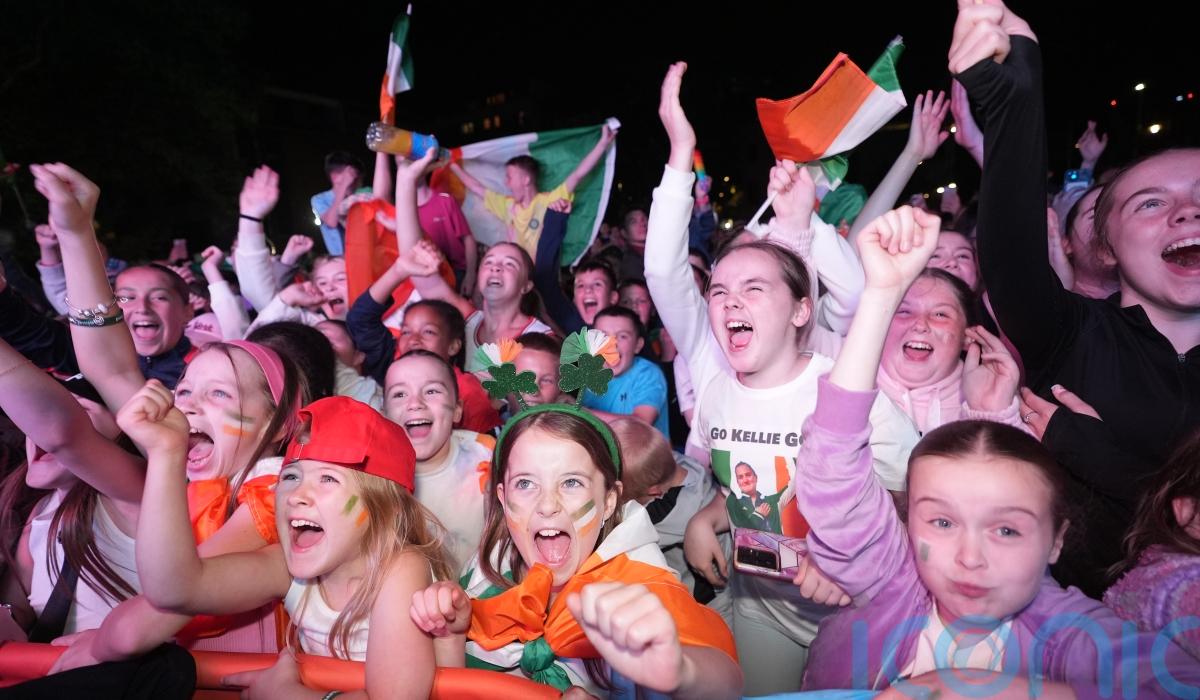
768, 554
1076, 180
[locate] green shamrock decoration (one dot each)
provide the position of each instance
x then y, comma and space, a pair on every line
505, 381
588, 372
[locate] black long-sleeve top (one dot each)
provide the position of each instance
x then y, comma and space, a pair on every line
1147, 394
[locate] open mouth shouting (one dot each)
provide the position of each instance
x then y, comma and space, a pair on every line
145, 331
917, 350
1183, 254
304, 534
201, 450
740, 334
553, 546
418, 428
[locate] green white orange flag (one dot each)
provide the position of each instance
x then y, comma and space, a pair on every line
399, 74
837, 113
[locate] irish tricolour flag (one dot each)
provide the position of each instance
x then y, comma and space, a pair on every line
837, 113
558, 152
399, 74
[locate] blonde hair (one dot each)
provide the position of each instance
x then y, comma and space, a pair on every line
396, 523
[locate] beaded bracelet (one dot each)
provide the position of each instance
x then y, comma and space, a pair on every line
97, 310
95, 321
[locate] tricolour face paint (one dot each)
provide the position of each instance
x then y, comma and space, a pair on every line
350, 503
241, 427
586, 519
923, 550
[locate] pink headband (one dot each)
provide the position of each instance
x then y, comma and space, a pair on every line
268, 360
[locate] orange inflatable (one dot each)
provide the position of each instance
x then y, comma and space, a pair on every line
21, 661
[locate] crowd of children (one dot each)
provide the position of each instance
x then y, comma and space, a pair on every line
929, 458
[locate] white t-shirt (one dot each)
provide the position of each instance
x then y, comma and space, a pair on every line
472, 337
455, 493
314, 619
115, 547
734, 424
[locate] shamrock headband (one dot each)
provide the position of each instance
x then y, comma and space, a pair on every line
581, 366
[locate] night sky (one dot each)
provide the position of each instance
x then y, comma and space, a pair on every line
169, 104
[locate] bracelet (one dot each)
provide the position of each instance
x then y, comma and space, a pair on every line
97, 321
249, 218
331, 695
98, 310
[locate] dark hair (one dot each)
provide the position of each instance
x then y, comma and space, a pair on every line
722, 239
441, 361
306, 348
284, 420
646, 457
630, 212
1108, 196
618, 311
971, 438
1155, 522
962, 293
597, 265
452, 321
632, 282
792, 268
335, 160
527, 163
563, 426
174, 281
542, 342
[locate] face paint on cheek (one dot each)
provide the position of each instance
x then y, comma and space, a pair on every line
586, 519
362, 518
350, 503
923, 550
240, 426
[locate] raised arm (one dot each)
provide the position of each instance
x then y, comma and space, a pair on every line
231, 314
45, 342
924, 138
668, 275
54, 420
856, 538
545, 271
105, 352
173, 576
468, 180
381, 183
998, 61
256, 279
591, 159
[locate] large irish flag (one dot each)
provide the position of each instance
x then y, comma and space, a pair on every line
837, 113
558, 152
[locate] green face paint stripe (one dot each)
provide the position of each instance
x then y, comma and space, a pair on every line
583, 510
350, 505
234, 415
923, 550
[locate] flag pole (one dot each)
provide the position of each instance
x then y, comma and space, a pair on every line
754, 226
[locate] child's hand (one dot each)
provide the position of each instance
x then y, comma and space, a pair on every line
151, 420
1036, 412
297, 246
211, 267
303, 294
260, 192
966, 131
990, 374
279, 681
670, 111
925, 134
984, 31
702, 551
78, 652
46, 237
796, 193
72, 197
442, 609
634, 633
815, 586
408, 172
421, 260
895, 247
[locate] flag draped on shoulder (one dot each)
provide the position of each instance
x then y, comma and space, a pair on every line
837, 113
399, 74
557, 153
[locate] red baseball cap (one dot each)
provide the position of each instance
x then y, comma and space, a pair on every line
351, 434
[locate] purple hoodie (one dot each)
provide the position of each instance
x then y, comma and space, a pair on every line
858, 541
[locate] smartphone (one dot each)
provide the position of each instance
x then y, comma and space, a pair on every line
1075, 180
767, 554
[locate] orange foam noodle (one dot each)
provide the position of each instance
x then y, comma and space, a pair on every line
22, 661
801, 128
